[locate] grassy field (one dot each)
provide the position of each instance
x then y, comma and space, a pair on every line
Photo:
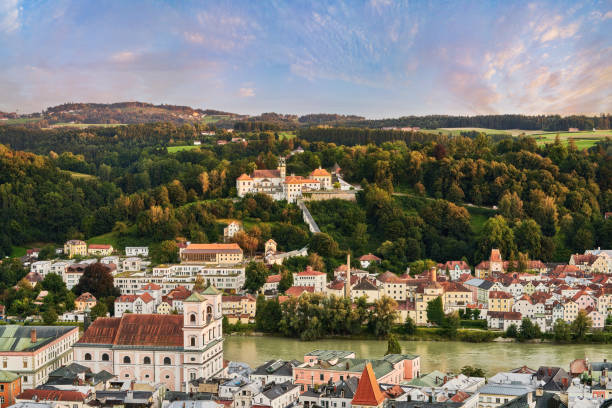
290, 134
583, 140
17, 252
19, 121
457, 131
80, 175
113, 238
87, 125
214, 118
174, 149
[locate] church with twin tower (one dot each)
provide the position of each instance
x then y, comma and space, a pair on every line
168, 349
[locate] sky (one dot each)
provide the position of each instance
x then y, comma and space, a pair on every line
375, 58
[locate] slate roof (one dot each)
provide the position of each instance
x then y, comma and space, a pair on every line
277, 367
547, 400
277, 390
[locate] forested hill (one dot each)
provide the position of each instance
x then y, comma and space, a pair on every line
127, 112
500, 122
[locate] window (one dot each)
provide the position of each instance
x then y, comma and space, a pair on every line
126, 360
105, 357
322, 377
87, 357
167, 361
193, 341
192, 318
146, 360
167, 377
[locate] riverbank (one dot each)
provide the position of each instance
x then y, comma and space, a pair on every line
435, 334
447, 356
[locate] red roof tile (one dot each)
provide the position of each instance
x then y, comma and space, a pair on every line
368, 392
52, 395
136, 330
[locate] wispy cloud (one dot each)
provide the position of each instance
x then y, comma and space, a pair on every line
123, 56
246, 92
379, 57
10, 11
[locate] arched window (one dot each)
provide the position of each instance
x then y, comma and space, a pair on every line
105, 357
209, 312
126, 360
192, 318
167, 361
193, 341
146, 360
87, 357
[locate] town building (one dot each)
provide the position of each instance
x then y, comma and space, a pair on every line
279, 186
32, 352
84, 301
10, 388
226, 277
100, 249
137, 304
322, 366
310, 277
75, 247
211, 253
168, 349
131, 264
137, 251
368, 259
232, 229
277, 371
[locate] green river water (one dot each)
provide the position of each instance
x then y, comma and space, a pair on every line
442, 356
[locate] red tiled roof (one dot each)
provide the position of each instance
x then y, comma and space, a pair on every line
496, 294
389, 277
100, 246
151, 286
369, 257
244, 177
86, 297
216, 247
146, 297
298, 290
136, 330
454, 287
368, 392
266, 174
320, 173
310, 272
460, 396
495, 256
52, 395
451, 265
273, 278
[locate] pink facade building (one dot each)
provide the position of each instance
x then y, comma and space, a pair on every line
168, 349
321, 366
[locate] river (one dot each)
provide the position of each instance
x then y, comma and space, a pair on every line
443, 356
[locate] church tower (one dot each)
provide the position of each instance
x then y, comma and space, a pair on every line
282, 168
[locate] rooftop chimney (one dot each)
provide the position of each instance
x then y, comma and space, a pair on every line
33, 337
433, 274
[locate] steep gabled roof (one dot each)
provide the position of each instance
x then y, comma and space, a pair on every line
368, 392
